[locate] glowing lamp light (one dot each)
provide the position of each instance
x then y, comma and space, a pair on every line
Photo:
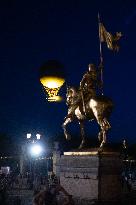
38, 136
36, 150
52, 86
28, 136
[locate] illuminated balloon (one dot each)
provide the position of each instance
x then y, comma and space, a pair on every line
52, 78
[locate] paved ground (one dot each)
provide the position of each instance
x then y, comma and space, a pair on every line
24, 197
20, 197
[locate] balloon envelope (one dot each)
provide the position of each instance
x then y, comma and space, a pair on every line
52, 82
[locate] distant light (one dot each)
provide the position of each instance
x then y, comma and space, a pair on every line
54, 98
28, 136
81, 153
38, 136
36, 150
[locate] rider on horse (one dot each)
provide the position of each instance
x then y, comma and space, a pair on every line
86, 104
87, 90
89, 82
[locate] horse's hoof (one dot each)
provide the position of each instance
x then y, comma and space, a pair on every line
82, 145
102, 144
100, 150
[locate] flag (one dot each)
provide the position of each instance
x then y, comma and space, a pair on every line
108, 38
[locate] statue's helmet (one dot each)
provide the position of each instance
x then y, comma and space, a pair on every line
91, 67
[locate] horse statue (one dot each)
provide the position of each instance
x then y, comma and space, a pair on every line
98, 108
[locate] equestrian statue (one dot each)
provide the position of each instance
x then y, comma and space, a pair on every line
86, 103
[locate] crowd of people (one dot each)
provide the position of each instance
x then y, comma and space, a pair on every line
46, 190
53, 196
5, 181
129, 175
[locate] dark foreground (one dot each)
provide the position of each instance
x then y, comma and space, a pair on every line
25, 197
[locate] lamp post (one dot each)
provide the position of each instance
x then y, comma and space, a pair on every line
34, 150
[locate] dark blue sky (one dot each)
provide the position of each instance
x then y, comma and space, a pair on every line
33, 32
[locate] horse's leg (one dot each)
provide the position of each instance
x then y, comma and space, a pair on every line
82, 134
103, 142
100, 136
98, 116
103, 122
105, 126
67, 121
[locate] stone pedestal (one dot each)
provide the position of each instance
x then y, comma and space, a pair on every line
91, 175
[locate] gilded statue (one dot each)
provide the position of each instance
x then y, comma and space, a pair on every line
86, 103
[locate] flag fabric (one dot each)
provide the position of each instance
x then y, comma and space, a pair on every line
108, 38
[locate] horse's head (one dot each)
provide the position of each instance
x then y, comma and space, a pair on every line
71, 93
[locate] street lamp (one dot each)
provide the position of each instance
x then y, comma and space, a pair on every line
33, 146
28, 136
36, 149
33, 139
31, 149
38, 136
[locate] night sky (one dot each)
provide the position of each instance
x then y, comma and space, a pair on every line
33, 32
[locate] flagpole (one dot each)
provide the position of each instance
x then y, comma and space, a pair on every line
101, 56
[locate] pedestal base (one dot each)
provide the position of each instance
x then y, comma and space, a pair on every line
91, 175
